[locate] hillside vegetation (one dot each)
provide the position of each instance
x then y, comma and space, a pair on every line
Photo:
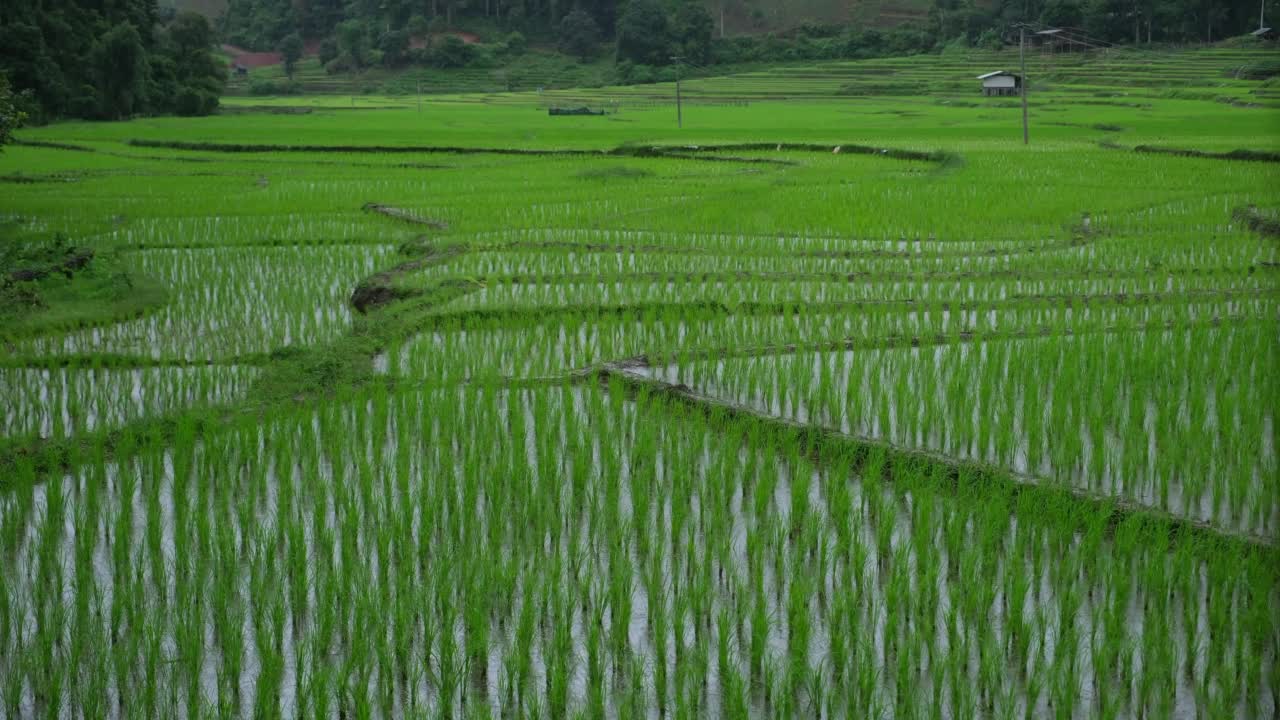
74, 58
1109, 82
644, 37
71, 58
739, 17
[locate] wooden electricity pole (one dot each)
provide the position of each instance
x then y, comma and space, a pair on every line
679, 114
1022, 59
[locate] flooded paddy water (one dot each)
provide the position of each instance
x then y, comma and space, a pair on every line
364, 555
1205, 451
644, 437
60, 402
231, 301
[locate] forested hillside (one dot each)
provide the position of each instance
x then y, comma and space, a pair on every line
350, 37
111, 60
263, 24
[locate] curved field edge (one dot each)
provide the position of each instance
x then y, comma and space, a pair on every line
343, 368
69, 309
685, 152
949, 475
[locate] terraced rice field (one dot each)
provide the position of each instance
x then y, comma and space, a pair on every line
1129, 79
834, 407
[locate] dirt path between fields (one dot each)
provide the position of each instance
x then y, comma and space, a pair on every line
379, 289
405, 215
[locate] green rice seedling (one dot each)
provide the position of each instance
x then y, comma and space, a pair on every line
629, 453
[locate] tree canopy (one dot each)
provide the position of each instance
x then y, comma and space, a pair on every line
645, 34
87, 59
579, 34
10, 116
112, 59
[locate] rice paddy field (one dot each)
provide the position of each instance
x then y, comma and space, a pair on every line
836, 402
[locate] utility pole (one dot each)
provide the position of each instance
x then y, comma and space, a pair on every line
1022, 59
679, 114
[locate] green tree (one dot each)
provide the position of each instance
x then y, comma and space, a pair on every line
353, 41
418, 26
291, 51
30, 65
579, 35
452, 53
1062, 13
106, 59
395, 48
258, 24
328, 51
643, 34
516, 43
692, 28
10, 116
122, 72
198, 76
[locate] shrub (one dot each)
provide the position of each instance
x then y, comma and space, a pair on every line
990, 39
193, 101
959, 46
633, 74
516, 44
1260, 69
452, 53
267, 87
339, 65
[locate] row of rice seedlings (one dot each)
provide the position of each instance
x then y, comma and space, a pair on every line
568, 262
1171, 419
519, 291
1137, 255
227, 302
825, 195
1202, 214
533, 345
359, 559
745, 244
831, 200
475, 197
57, 403
215, 230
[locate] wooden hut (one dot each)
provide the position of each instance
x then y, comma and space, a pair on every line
1000, 83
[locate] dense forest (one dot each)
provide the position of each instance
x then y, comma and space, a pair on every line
107, 59
10, 116
652, 31
112, 59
